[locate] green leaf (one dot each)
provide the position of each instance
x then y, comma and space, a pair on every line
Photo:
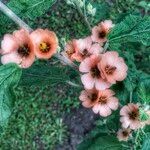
121, 92
30, 8
131, 29
9, 76
131, 81
107, 142
144, 89
146, 143
143, 115
101, 137
44, 74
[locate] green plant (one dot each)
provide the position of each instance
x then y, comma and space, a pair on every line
53, 90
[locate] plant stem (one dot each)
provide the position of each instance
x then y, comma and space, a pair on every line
73, 84
14, 17
82, 15
22, 24
66, 61
105, 47
131, 96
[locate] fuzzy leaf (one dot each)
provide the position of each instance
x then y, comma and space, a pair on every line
43, 74
30, 8
98, 138
146, 143
9, 76
143, 115
121, 92
107, 142
131, 29
144, 89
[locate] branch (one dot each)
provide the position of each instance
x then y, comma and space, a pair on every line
22, 24
14, 17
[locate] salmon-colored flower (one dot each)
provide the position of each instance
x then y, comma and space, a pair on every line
99, 33
130, 116
89, 97
20, 50
85, 48
113, 67
106, 102
123, 134
70, 49
45, 43
92, 75
102, 102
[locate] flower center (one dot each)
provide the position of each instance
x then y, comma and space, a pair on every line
103, 100
125, 133
102, 34
70, 51
24, 50
95, 72
85, 52
110, 70
44, 47
134, 115
93, 97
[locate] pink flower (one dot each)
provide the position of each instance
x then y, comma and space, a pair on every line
45, 43
89, 97
92, 75
70, 49
130, 116
106, 102
123, 134
113, 67
85, 48
102, 102
99, 33
20, 49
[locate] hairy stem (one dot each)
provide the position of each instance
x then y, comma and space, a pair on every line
82, 15
22, 24
131, 93
14, 17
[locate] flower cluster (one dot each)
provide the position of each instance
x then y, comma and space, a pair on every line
130, 120
23, 47
99, 69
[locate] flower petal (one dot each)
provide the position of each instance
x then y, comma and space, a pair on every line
85, 65
135, 125
104, 110
124, 111
125, 122
11, 58
83, 96
8, 44
88, 81
96, 49
113, 103
100, 84
96, 108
